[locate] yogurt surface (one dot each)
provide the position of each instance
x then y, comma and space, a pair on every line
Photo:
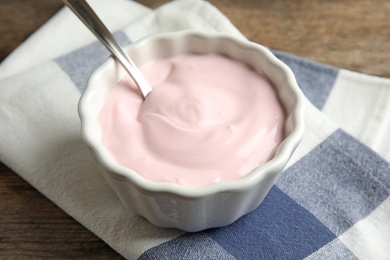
208, 119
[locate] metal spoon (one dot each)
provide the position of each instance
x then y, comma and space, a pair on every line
85, 13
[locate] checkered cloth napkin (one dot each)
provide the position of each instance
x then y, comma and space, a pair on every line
331, 202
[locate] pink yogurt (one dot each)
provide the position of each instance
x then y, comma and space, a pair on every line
208, 119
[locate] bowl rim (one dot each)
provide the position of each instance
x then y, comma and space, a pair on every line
121, 173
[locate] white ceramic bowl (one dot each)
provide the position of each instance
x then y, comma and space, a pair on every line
198, 208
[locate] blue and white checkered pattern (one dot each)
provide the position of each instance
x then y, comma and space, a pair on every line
331, 202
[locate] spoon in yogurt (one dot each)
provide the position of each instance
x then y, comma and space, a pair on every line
85, 13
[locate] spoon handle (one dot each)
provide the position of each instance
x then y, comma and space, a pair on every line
85, 13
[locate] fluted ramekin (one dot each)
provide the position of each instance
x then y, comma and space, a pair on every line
193, 208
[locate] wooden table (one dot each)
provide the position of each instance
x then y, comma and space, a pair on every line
352, 34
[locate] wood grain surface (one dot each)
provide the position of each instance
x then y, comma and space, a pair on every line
351, 34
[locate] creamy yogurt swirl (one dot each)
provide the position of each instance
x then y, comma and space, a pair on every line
208, 119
